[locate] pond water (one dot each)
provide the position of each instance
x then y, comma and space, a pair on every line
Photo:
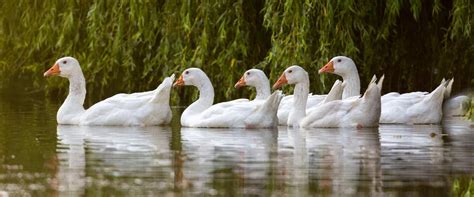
38, 157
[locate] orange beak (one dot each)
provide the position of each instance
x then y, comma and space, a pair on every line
280, 82
240, 83
179, 82
328, 68
54, 70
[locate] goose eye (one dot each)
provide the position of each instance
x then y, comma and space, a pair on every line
248, 73
290, 71
339, 60
64, 62
187, 72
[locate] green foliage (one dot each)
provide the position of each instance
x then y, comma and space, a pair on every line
463, 187
130, 46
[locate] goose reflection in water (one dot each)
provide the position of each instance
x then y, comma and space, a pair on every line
459, 146
298, 162
334, 158
237, 157
411, 153
292, 161
98, 156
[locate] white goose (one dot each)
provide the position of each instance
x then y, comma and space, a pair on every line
139, 109
257, 78
408, 108
352, 112
202, 113
456, 106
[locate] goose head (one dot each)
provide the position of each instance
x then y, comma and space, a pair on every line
339, 65
191, 76
292, 75
64, 67
253, 78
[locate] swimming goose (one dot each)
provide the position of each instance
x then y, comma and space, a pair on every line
342, 113
408, 108
140, 109
257, 78
202, 113
456, 106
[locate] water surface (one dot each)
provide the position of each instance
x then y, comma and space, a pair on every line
39, 157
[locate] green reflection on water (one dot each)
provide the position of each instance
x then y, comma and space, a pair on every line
27, 144
463, 186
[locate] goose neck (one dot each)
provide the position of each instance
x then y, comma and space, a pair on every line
206, 99
77, 90
263, 90
73, 107
299, 103
352, 84
206, 93
301, 92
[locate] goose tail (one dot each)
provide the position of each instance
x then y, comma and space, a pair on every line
438, 94
335, 93
162, 92
266, 114
373, 90
373, 80
380, 83
449, 86
272, 102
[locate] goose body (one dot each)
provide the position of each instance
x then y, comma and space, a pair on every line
350, 112
137, 109
407, 108
417, 96
413, 108
457, 105
202, 113
332, 112
287, 104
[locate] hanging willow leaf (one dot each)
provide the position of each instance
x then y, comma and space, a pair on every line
129, 46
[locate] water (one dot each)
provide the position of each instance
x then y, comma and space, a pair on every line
37, 157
